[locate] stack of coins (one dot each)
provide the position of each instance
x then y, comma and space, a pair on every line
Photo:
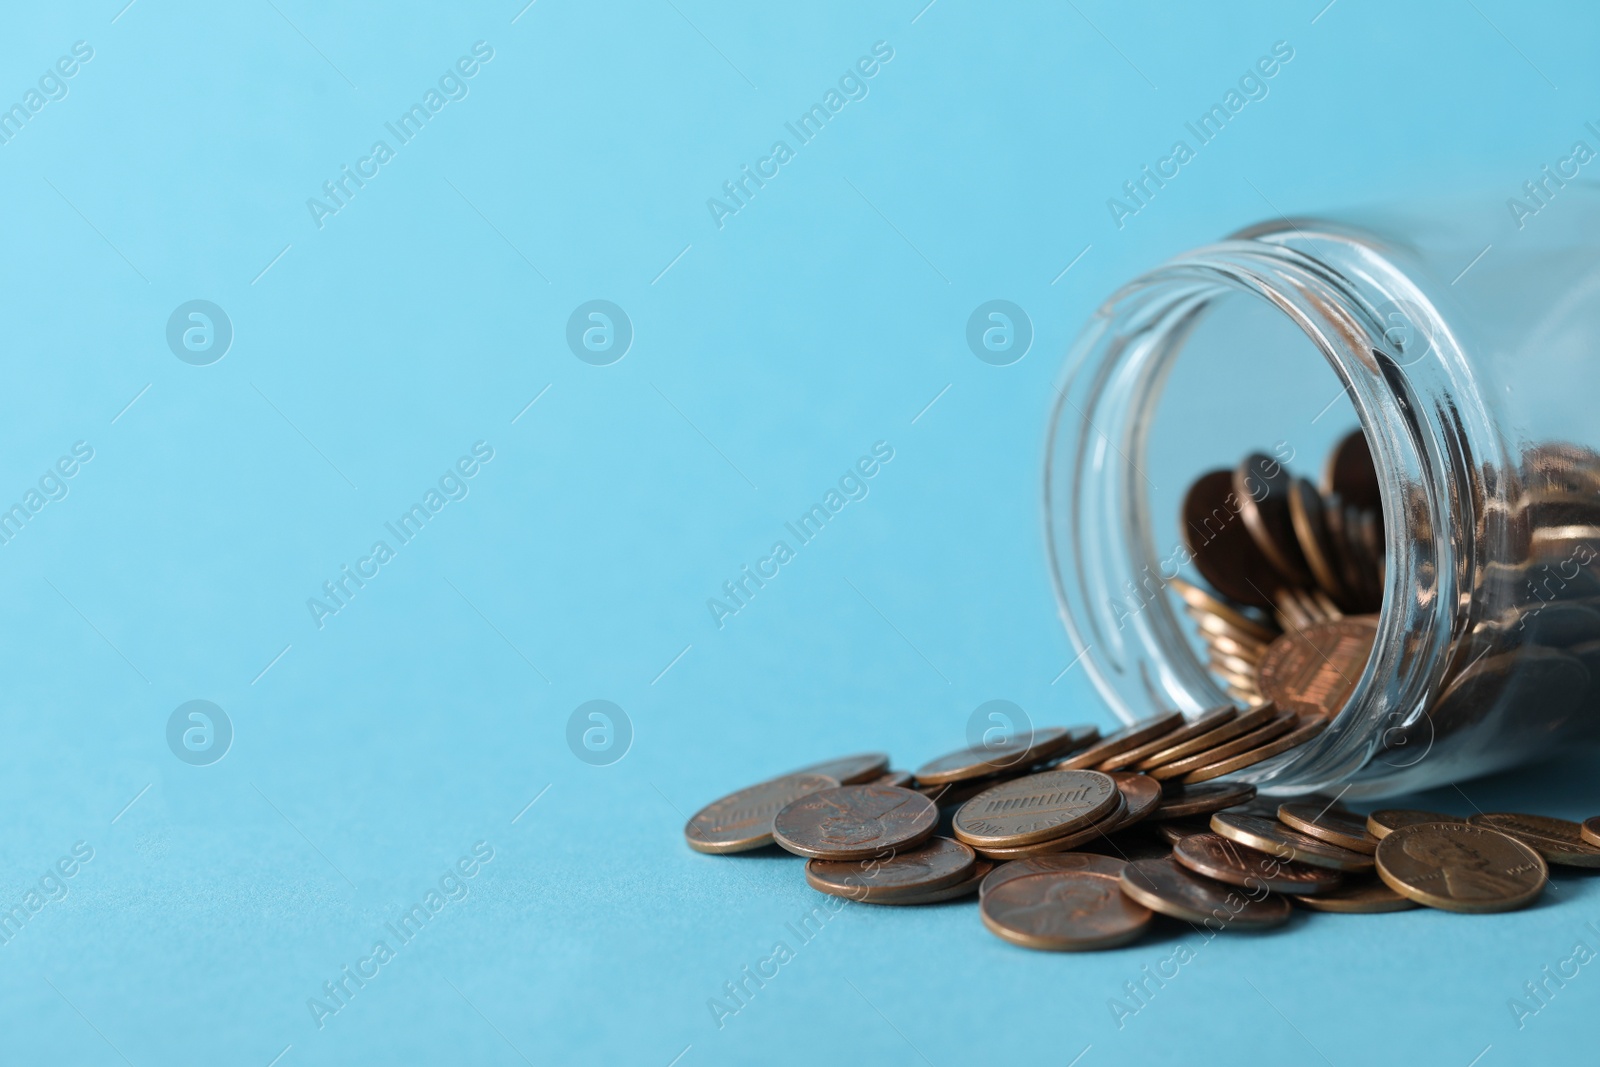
1074, 841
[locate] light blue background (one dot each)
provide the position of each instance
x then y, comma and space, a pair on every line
769, 354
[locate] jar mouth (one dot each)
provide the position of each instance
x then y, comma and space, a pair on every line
1414, 398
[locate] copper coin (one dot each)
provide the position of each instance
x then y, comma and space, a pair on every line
954, 794
902, 779
1092, 832
1142, 793
1055, 861
1366, 896
966, 887
1311, 530
1221, 548
1274, 838
1174, 830
1559, 841
1313, 670
1166, 886
1261, 485
1178, 801
1591, 830
1293, 739
1459, 867
1382, 823
854, 822
1227, 861
1034, 808
1201, 724
1202, 605
1121, 740
1350, 472
1064, 911
742, 821
939, 863
1249, 651
1242, 723
1343, 828
1280, 723
1019, 754
850, 770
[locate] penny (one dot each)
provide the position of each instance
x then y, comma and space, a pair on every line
1368, 896
1167, 887
1122, 740
1064, 911
1349, 471
1201, 724
1072, 840
902, 779
1293, 739
1241, 724
1055, 861
854, 822
1343, 828
1557, 840
1220, 547
1206, 606
1227, 861
1313, 670
1232, 645
939, 863
1267, 835
1261, 485
1178, 801
1460, 867
850, 770
1591, 830
1232, 667
1020, 754
742, 821
966, 887
1174, 830
1216, 625
954, 794
1382, 823
1311, 531
1034, 808
1279, 724
1142, 794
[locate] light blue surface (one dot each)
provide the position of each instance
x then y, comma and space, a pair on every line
370, 353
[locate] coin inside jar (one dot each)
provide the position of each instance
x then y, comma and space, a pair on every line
1219, 545
1035, 808
1064, 911
1165, 886
1314, 670
854, 822
1460, 867
742, 821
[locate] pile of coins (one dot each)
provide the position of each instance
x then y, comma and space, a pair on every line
1074, 841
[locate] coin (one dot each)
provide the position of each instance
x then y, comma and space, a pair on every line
1557, 840
1313, 671
1342, 828
1019, 754
939, 863
1220, 547
1178, 801
1165, 886
850, 770
1279, 724
1367, 896
1055, 861
1174, 830
1242, 724
902, 779
1203, 605
1591, 830
1459, 867
1293, 739
1227, 861
1261, 485
742, 821
1382, 823
1143, 796
965, 887
1064, 911
1349, 471
1034, 808
1267, 835
1059, 844
1311, 530
1121, 740
1201, 724
854, 822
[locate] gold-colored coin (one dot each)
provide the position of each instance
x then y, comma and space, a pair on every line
1557, 840
1456, 866
1064, 911
1203, 723
1276, 839
1367, 896
1035, 807
1293, 739
1338, 827
742, 821
1382, 823
1121, 740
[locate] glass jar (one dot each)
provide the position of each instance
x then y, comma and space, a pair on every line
1464, 341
